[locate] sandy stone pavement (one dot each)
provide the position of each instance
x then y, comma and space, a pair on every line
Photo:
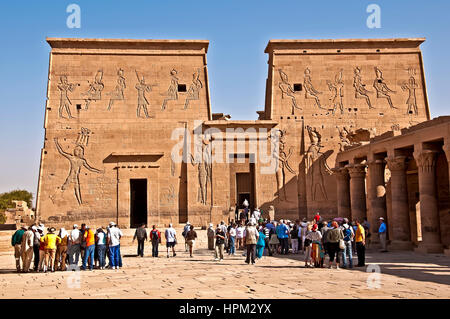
403, 275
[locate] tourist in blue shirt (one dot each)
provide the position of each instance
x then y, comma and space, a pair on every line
382, 233
283, 236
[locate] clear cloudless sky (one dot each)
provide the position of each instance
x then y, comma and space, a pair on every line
238, 32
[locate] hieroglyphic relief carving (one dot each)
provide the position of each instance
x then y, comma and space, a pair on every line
411, 86
193, 92
286, 89
77, 161
204, 166
360, 88
117, 94
337, 89
168, 197
316, 163
310, 91
65, 87
172, 91
94, 92
283, 162
383, 91
142, 87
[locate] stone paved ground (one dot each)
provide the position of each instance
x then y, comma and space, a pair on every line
403, 275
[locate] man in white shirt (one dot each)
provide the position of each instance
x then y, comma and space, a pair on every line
240, 236
27, 249
256, 215
171, 239
114, 236
75, 247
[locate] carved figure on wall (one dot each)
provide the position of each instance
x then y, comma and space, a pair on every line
64, 103
172, 91
77, 161
411, 86
94, 92
337, 89
204, 166
286, 89
316, 163
169, 196
282, 160
310, 91
142, 87
360, 88
117, 94
343, 136
382, 89
193, 93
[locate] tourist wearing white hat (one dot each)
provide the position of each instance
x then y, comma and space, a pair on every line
27, 249
75, 247
250, 239
171, 239
50, 241
382, 233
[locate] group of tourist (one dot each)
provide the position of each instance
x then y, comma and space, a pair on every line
338, 239
54, 251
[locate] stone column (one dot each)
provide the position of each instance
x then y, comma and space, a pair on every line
343, 191
377, 197
357, 174
400, 223
429, 212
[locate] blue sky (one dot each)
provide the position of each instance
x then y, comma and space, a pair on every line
238, 32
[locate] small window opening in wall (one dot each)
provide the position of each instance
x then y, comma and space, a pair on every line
381, 114
380, 81
78, 106
304, 51
410, 112
356, 109
297, 87
281, 117
322, 126
45, 152
302, 117
349, 109
378, 50
295, 117
288, 117
338, 51
181, 87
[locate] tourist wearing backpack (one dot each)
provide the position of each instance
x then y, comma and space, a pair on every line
348, 238
155, 237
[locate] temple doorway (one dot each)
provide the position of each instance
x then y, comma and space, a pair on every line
138, 202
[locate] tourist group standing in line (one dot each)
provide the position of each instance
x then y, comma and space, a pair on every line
51, 251
337, 239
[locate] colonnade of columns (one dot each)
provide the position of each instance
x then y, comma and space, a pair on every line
351, 191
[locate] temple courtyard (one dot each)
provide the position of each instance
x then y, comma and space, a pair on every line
402, 274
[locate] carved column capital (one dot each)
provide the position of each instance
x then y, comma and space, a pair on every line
356, 170
340, 172
396, 163
426, 160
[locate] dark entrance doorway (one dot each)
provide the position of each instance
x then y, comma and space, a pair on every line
244, 189
138, 202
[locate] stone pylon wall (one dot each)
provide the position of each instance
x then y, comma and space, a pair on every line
112, 106
328, 95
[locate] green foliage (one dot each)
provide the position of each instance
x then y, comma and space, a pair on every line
2, 218
7, 198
